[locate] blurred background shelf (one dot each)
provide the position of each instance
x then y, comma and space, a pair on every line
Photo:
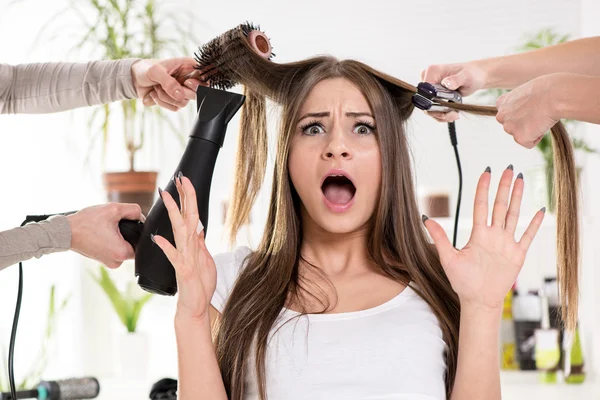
525, 385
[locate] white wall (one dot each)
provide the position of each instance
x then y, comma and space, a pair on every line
41, 156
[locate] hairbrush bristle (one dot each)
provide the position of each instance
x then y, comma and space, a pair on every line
217, 59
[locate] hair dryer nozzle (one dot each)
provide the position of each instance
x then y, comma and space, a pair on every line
215, 109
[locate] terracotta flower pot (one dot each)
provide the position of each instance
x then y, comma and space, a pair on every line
137, 187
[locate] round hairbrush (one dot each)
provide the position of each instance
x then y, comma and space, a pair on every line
217, 60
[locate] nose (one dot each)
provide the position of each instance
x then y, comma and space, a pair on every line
337, 146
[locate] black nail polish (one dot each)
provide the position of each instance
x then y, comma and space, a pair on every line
543, 209
488, 169
424, 218
520, 176
152, 238
160, 192
510, 167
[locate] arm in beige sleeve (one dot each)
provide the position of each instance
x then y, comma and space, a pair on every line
53, 87
34, 240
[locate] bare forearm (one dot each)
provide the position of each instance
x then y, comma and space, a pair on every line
199, 374
580, 56
478, 370
576, 97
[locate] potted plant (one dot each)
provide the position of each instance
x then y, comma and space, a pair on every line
546, 37
128, 305
119, 29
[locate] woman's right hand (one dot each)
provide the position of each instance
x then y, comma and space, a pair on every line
467, 78
194, 266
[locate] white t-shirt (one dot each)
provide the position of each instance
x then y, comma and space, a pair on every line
392, 351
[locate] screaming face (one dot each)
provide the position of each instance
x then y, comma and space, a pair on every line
334, 160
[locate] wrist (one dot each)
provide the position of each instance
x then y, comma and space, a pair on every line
184, 322
480, 313
75, 226
558, 94
133, 72
488, 68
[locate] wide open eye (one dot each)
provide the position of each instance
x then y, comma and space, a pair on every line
363, 128
312, 128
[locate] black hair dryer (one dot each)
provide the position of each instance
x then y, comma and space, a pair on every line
153, 270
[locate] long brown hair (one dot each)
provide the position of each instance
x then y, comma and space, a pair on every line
398, 243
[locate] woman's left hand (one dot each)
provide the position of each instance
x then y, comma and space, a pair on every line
483, 271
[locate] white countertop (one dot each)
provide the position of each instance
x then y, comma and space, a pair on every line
524, 385
516, 385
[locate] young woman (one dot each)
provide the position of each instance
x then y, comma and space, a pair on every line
345, 298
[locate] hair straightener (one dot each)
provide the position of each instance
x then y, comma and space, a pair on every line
430, 97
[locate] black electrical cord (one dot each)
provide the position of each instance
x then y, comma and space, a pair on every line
13, 333
452, 131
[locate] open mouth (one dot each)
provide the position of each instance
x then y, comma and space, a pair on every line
338, 189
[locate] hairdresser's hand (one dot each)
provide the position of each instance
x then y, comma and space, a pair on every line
168, 83
194, 266
467, 78
484, 270
95, 232
529, 111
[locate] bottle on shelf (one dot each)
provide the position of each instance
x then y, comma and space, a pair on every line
508, 346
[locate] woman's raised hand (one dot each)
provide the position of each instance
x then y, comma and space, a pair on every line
194, 266
484, 270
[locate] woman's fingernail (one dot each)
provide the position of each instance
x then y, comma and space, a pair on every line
200, 227
160, 192
488, 169
446, 83
152, 237
520, 176
178, 95
510, 166
424, 218
543, 209
180, 175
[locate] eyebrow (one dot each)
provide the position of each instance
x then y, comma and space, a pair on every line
327, 114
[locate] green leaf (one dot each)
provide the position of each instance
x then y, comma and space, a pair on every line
113, 294
127, 305
580, 144
137, 309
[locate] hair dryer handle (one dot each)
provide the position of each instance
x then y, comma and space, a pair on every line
131, 231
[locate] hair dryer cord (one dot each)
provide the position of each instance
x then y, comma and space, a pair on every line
452, 131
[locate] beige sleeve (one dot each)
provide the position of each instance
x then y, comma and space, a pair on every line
34, 240
53, 87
